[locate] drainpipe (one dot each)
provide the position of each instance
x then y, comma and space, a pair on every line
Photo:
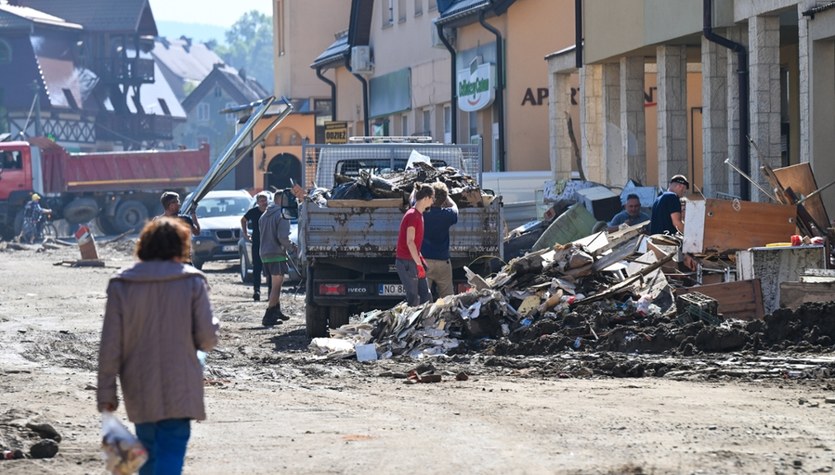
499, 85
453, 93
333, 90
742, 79
578, 33
364, 82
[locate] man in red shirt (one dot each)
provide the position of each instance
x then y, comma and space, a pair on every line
409, 262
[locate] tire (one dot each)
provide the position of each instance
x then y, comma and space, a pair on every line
316, 321
130, 215
338, 316
18, 223
106, 225
80, 210
197, 263
246, 275
49, 231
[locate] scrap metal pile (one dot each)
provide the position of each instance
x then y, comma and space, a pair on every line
463, 189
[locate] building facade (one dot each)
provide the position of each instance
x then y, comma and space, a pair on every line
743, 80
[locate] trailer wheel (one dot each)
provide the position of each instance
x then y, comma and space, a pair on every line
81, 210
106, 225
316, 321
130, 215
339, 316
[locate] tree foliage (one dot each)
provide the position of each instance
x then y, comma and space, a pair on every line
249, 47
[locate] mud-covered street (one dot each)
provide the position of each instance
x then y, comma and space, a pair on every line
534, 405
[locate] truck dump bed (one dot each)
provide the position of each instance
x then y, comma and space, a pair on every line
367, 231
119, 171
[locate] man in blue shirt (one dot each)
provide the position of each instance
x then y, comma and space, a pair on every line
631, 214
666, 211
437, 220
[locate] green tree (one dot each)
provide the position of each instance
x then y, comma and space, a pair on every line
249, 47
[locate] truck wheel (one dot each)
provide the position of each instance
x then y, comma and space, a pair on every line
130, 215
316, 321
81, 210
246, 276
106, 225
338, 317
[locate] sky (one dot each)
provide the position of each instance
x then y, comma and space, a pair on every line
208, 12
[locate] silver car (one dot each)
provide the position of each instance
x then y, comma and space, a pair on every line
219, 214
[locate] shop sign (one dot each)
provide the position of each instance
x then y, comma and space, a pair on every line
336, 132
476, 87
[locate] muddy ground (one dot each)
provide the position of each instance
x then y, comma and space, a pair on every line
646, 396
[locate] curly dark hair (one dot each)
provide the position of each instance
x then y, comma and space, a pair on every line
164, 239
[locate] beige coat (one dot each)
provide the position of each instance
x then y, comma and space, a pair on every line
156, 318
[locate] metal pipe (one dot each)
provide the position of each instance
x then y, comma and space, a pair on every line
364, 82
333, 90
578, 33
747, 177
742, 79
499, 85
221, 168
453, 93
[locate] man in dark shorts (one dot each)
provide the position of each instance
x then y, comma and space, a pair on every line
275, 244
666, 210
250, 219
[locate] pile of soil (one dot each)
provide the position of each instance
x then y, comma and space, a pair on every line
810, 329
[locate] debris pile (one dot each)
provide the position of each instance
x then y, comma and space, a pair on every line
463, 189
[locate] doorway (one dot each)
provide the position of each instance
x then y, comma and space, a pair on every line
283, 168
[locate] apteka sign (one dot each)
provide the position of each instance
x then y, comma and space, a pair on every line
476, 87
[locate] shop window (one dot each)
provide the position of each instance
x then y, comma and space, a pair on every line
427, 122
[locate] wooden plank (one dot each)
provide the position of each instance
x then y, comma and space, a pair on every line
793, 294
802, 181
376, 203
741, 299
730, 225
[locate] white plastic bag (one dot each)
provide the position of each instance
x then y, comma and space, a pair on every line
123, 453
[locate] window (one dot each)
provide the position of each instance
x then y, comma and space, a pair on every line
401, 11
388, 13
218, 91
427, 122
203, 112
404, 125
5, 53
10, 160
231, 117
433, 5
418, 7
473, 122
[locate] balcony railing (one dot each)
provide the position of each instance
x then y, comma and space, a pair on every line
118, 127
118, 70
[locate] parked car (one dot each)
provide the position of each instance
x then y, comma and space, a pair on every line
219, 214
245, 253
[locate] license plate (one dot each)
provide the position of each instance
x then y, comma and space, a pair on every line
391, 289
230, 248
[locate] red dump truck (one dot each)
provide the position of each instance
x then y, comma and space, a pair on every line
122, 189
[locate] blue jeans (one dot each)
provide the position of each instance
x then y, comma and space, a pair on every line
166, 443
417, 290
